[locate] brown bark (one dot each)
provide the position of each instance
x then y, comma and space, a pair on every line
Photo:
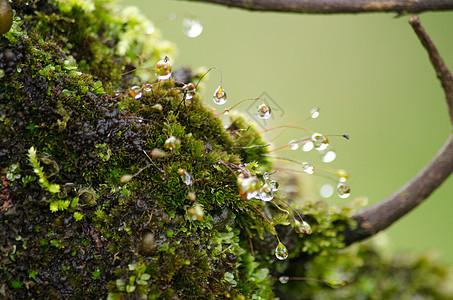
381, 215
337, 6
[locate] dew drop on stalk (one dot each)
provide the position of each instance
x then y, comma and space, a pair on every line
314, 113
172, 143
320, 141
302, 227
126, 178
189, 90
265, 193
157, 107
326, 190
220, 96
248, 186
307, 167
305, 227
343, 190
293, 145
148, 87
185, 176
191, 27
307, 146
283, 279
196, 212
163, 69
274, 185
281, 252
136, 92
329, 156
264, 111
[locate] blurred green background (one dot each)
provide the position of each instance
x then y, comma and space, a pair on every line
368, 73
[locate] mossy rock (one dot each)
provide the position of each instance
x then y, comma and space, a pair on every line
96, 199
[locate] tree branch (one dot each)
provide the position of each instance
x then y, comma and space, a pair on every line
337, 6
381, 215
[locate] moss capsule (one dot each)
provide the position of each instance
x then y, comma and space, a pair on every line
6, 16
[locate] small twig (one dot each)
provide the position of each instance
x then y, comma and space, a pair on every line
381, 215
442, 72
337, 6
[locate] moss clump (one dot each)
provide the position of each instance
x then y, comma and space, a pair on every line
95, 201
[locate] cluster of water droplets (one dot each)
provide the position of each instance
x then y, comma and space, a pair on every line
136, 91
252, 188
343, 190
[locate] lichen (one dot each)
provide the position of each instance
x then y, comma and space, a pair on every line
125, 220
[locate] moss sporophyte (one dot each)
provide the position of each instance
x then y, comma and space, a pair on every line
128, 186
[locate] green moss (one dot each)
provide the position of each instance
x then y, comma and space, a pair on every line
124, 222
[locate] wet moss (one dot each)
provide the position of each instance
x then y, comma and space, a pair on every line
87, 210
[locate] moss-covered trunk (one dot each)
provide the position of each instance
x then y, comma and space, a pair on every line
122, 186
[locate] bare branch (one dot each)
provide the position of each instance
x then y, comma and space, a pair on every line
337, 6
443, 73
383, 214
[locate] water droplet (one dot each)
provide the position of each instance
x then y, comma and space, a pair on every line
314, 113
307, 167
196, 212
320, 141
185, 176
172, 143
302, 227
342, 175
148, 87
136, 92
326, 190
305, 227
307, 146
293, 145
274, 185
220, 96
264, 111
189, 90
283, 279
281, 252
150, 30
265, 193
191, 27
329, 156
163, 69
343, 190
248, 186
126, 178
171, 16
157, 107
157, 153
192, 196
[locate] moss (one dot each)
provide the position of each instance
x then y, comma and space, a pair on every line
124, 221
